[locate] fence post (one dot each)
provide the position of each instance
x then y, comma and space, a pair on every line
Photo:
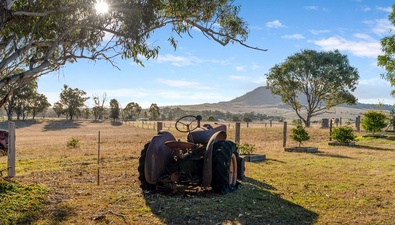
271, 122
285, 134
11, 150
158, 126
358, 123
330, 130
237, 133
98, 159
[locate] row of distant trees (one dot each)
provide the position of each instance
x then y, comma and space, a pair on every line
26, 101
72, 104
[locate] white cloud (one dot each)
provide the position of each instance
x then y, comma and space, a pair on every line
293, 36
363, 36
311, 7
255, 28
232, 77
372, 91
274, 24
385, 9
178, 60
255, 66
371, 48
240, 68
380, 26
319, 31
365, 8
189, 60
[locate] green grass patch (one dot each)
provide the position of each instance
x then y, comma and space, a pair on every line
21, 204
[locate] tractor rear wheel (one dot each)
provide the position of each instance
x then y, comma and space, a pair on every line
224, 167
143, 182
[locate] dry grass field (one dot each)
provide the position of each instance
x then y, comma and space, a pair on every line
337, 185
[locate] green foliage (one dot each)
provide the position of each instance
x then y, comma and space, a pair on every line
296, 122
154, 111
74, 143
246, 148
343, 134
299, 134
247, 120
387, 60
303, 75
58, 108
132, 109
211, 118
72, 100
21, 204
98, 110
374, 121
37, 103
235, 118
114, 109
63, 31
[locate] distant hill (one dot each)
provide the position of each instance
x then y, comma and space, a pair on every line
261, 100
259, 96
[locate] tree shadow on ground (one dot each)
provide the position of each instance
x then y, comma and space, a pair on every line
373, 148
116, 123
19, 123
253, 203
61, 125
325, 154
60, 213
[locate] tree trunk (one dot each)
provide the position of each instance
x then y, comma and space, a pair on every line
9, 115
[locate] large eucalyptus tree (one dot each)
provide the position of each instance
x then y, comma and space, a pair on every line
41, 36
313, 82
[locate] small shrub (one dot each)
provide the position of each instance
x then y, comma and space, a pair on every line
74, 143
374, 121
299, 134
211, 118
343, 134
246, 149
296, 122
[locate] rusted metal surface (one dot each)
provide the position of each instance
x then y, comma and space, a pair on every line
3, 139
208, 157
180, 144
233, 171
203, 135
157, 157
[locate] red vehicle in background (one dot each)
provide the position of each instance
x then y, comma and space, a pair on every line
3, 142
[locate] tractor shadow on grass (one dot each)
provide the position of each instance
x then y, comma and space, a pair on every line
253, 203
61, 125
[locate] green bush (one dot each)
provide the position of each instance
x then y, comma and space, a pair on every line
74, 143
374, 121
211, 118
299, 134
246, 149
296, 122
343, 134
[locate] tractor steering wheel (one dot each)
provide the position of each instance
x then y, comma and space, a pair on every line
190, 123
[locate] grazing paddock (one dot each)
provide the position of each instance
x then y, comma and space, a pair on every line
345, 185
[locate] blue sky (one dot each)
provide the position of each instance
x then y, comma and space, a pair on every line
203, 71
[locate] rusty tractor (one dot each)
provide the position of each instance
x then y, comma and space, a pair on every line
3, 142
205, 160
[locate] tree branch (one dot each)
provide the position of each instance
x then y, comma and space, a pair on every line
41, 14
